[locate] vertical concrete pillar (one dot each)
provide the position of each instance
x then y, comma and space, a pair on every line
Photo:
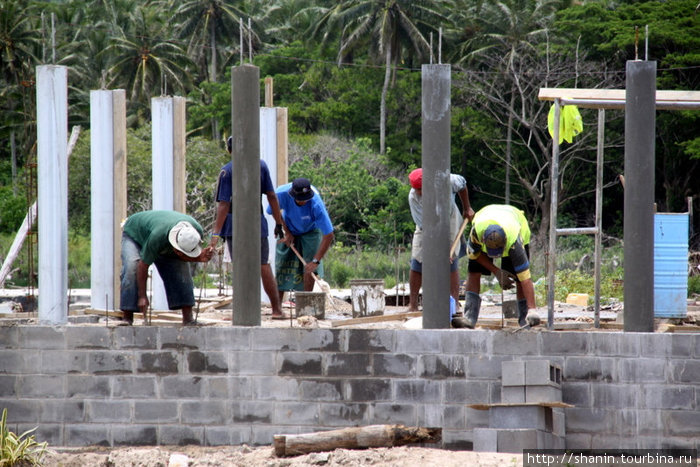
108, 194
640, 134
52, 134
436, 110
268, 153
168, 169
245, 103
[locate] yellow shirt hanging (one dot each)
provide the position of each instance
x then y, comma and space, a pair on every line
570, 123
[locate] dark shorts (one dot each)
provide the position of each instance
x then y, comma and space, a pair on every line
175, 273
264, 249
289, 271
454, 266
506, 264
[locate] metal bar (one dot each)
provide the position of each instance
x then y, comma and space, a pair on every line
578, 231
554, 187
598, 216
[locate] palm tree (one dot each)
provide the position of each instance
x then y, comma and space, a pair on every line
144, 62
390, 28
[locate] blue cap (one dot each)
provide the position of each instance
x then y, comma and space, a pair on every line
495, 240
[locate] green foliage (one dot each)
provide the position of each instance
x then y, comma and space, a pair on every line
22, 450
344, 263
694, 285
12, 208
79, 254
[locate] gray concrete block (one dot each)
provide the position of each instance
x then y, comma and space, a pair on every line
402, 365
655, 345
681, 423
484, 366
275, 388
577, 394
614, 396
204, 412
181, 435
685, 371
424, 341
565, 343
105, 362
9, 337
430, 415
182, 338
513, 394
88, 435
51, 433
135, 337
683, 345
358, 390
181, 387
218, 436
669, 397
252, 412
417, 391
296, 340
207, 362
559, 423
589, 420
543, 393
441, 366
17, 362
550, 441
42, 337
107, 411
513, 373
50, 386
642, 370
27, 410
157, 362
61, 362
342, 415
7, 385
134, 435
341, 364
479, 343
321, 390
88, 386
252, 363
588, 369
529, 416
541, 372
457, 440
296, 413
88, 338
485, 439
522, 343
369, 340
127, 386
515, 441
227, 339
263, 435
62, 411
580, 441
387, 412
300, 364
466, 392
477, 418
156, 411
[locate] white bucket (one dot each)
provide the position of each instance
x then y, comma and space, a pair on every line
367, 297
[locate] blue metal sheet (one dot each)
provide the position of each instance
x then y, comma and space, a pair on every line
670, 265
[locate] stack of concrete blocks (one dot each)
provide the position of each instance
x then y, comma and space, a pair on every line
527, 416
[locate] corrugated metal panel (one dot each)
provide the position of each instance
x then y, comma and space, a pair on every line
670, 265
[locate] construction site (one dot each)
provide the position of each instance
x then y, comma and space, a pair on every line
350, 369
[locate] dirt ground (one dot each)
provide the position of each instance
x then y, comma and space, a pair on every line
193, 456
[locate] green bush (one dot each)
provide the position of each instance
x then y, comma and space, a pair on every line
22, 450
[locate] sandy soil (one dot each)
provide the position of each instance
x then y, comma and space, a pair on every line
192, 456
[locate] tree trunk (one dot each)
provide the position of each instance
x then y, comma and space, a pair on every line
372, 436
382, 109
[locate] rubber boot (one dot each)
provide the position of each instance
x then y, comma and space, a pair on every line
522, 312
472, 305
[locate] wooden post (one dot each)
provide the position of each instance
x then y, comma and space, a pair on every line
372, 436
268, 91
282, 147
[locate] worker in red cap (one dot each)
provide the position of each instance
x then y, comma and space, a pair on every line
415, 202
499, 231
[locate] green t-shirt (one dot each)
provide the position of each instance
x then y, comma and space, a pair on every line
150, 230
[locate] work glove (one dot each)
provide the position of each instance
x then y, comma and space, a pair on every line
505, 279
279, 231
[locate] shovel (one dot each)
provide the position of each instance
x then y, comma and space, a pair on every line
325, 288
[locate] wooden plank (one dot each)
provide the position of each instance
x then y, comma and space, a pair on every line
549, 94
378, 319
513, 404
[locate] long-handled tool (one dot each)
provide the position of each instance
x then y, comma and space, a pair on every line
321, 283
455, 242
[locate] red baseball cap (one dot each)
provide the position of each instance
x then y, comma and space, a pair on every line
416, 179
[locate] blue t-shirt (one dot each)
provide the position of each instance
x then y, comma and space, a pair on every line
225, 190
302, 219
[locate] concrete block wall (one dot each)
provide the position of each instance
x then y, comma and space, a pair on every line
93, 385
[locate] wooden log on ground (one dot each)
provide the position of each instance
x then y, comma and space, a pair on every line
378, 318
372, 436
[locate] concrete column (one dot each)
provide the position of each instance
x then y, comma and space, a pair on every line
168, 169
640, 135
245, 102
436, 110
52, 134
268, 153
108, 194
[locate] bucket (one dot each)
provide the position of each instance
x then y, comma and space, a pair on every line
670, 265
311, 304
367, 297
